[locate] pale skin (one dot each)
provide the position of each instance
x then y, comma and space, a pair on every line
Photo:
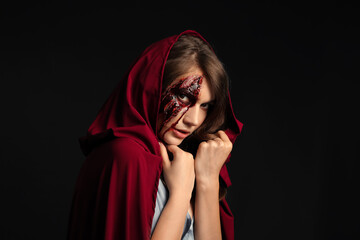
180, 173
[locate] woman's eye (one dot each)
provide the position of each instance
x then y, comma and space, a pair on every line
183, 98
205, 106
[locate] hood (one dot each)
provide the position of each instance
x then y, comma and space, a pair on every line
133, 107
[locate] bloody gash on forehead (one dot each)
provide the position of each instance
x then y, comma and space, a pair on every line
172, 103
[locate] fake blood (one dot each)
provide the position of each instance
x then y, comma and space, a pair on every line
172, 104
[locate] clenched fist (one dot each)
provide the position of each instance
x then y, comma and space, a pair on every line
179, 173
211, 156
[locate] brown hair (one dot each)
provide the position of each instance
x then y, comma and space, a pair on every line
189, 52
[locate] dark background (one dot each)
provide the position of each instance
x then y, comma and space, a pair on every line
293, 84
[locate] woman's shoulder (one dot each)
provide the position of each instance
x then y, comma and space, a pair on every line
124, 149
124, 144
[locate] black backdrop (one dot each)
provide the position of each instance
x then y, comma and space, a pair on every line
294, 168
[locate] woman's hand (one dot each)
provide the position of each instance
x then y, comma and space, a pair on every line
209, 160
179, 173
211, 156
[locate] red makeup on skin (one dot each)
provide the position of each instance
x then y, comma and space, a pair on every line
181, 95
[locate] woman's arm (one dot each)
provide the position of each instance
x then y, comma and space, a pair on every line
180, 177
207, 213
172, 218
209, 160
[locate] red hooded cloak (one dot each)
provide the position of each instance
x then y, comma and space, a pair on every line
116, 190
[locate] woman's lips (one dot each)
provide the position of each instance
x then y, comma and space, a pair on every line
180, 133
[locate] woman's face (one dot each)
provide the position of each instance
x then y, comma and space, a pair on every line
184, 106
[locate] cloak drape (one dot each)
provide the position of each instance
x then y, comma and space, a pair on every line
115, 193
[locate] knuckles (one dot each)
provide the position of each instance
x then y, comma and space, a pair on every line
229, 146
216, 145
203, 145
185, 155
189, 156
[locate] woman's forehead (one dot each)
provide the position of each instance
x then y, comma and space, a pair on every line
205, 94
193, 73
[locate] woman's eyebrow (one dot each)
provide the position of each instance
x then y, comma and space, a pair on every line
210, 102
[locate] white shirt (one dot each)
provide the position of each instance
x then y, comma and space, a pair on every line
161, 200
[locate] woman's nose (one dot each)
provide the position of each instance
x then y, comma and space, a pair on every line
192, 116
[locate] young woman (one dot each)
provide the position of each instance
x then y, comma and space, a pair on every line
156, 150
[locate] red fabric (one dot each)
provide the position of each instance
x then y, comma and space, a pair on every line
115, 193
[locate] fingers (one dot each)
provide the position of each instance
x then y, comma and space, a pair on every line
173, 149
164, 155
179, 154
219, 134
220, 139
176, 151
212, 136
222, 135
225, 139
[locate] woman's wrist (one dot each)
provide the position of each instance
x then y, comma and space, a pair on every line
180, 196
207, 185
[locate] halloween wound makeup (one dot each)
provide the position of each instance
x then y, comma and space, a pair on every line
181, 95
